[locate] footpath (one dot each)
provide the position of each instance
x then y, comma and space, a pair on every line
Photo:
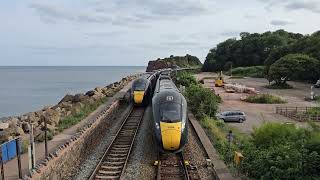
11, 167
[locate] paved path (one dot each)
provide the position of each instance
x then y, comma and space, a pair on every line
11, 167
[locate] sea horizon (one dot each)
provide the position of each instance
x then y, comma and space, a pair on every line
29, 88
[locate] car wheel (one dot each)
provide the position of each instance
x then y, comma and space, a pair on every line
240, 120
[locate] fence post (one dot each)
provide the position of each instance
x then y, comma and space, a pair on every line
2, 171
287, 111
18, 157
45, 138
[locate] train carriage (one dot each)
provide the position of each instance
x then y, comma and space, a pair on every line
170, 115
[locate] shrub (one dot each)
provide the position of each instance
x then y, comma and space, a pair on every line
313, 111
282, 151
279, 86
264, 99
185, 79
253, 71
294, 67
202, 102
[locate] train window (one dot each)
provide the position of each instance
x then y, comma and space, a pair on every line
170, 112
139, 85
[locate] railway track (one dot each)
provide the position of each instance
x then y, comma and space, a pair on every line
114, 160
173, 167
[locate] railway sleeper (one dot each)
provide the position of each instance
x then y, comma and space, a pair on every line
111, 167
109, 172
107, 177
113, 163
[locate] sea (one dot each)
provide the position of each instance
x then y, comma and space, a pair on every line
26, 89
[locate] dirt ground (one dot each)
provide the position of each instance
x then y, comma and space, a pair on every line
259, 113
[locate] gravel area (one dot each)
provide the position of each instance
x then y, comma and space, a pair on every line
86, 167
196, 155
258, 114
144, 152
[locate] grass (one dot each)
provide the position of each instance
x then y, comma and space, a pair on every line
252, 71
217, 131
76, 117
264, 99
317, 98
278, 86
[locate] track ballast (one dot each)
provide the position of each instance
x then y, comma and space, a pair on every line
114, 160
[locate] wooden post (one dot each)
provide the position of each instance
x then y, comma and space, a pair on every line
2, 171
31, 149
45, 138
18, 157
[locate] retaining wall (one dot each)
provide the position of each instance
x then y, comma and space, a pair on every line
68, 155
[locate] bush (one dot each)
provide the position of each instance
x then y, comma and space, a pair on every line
278, 86
253, 71
294, 67
313, 111
281, 151
202, 102
264, 99
185, 79
76, 117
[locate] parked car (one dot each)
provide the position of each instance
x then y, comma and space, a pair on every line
232, 116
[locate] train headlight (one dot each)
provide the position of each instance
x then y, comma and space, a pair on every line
157, 126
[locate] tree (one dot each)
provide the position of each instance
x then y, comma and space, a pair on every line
294, 67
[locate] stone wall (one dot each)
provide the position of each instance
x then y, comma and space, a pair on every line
68, 155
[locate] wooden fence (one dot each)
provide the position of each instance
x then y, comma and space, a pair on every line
299, 113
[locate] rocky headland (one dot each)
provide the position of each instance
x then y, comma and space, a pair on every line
186, 61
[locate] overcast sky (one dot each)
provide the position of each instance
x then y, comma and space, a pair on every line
132, 32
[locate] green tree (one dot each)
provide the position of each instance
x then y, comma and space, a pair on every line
294, 67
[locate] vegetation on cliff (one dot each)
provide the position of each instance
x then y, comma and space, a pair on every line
174, 61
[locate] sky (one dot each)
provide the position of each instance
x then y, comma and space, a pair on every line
132, 32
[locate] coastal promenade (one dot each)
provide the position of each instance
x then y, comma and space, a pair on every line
11, 167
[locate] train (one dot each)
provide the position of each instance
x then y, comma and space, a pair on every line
169, 108
142, 89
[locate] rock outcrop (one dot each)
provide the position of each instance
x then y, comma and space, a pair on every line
173, 62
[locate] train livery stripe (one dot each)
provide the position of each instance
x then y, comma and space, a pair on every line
138, 96
171, 135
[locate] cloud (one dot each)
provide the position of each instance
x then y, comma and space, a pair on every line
305, 5
123, 12
104, 34
278, 22
52, 13
230, 33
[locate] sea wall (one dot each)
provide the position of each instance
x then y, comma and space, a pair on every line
59, 163
70, 104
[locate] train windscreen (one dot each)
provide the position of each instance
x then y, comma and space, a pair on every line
170, 112
139, 85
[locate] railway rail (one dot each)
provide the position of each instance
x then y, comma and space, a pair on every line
174, 167
114, 160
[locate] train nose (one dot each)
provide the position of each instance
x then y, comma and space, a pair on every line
171, 135
138, 96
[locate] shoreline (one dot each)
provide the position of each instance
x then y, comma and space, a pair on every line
68, 106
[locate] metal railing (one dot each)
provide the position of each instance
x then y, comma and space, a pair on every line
299, 113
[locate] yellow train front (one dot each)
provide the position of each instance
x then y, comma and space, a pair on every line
170, 116
142, 89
